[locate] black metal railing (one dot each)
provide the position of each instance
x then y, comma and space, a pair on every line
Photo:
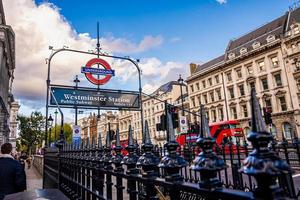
90, 170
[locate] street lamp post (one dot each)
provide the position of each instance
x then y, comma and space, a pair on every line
50, 121
180, 81
76, 81
55, 121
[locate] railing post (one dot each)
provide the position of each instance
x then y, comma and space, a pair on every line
130, 161
106, 160
148, 162
171, 163
262, 163
99, 167
116, 160
207, 162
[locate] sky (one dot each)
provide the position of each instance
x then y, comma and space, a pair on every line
165, 35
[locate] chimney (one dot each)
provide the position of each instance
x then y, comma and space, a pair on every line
193, 67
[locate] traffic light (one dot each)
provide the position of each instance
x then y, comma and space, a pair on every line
195, 129
267, 115
175, 118
162, 126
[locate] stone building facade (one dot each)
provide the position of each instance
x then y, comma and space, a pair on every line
7, 67
267, 59
91, 125
153, 108
15, 106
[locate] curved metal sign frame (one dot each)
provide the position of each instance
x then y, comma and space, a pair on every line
48, 81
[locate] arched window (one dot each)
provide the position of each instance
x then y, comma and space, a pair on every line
243, 50
270, 38
274, 130
287, 130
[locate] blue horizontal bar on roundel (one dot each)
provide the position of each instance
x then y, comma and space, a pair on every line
97, 71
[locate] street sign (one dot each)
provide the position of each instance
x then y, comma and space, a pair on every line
76, 131
94, 98
183, 124
76, 136
89, 71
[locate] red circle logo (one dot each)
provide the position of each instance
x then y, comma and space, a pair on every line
90, 76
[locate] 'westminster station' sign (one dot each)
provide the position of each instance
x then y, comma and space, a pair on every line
94, 98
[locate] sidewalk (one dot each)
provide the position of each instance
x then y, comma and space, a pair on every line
34, 179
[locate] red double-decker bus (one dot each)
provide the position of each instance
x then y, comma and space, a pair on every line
221, 131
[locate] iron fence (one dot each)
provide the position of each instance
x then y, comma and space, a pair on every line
90, 170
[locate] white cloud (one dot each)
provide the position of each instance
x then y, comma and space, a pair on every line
221, 1
175, 39
38, 26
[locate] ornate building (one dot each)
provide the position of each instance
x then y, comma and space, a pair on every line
267, 59
153, 108
7, 66
13, 123
91, 125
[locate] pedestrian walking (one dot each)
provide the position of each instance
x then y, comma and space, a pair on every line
13, 178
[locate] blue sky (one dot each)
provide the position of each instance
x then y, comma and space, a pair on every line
166, 35
195, 30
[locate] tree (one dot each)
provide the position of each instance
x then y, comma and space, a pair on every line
67, 132
31, 130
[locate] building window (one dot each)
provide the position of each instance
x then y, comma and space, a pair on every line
192, 88
228, 75
243, 50
244, 110
264, 83
287, 130
233, 112
213, 115
261, 65
252, 85
282, 103
255, 45
203, 84
197, 86
207, 115
231, 92
219, 94
221, 114
278, 80
239, 73
199, 100
210, 81
204, 98
250, 69
242, 91
274, 131
274, 61
217, 78
270, 38
193, 102
231, 55
296, 29
212, 97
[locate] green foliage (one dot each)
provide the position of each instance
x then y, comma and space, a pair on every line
31, 130
67, 132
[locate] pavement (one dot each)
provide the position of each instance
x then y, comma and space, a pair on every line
34, 179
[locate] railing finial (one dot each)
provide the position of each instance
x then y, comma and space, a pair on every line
263, 164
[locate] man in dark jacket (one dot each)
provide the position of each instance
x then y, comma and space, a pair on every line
12, 174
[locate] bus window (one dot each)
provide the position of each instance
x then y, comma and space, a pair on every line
225, 126
232, 126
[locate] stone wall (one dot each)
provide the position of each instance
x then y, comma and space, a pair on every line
38, 163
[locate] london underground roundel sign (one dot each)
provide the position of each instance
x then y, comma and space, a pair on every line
89, 71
